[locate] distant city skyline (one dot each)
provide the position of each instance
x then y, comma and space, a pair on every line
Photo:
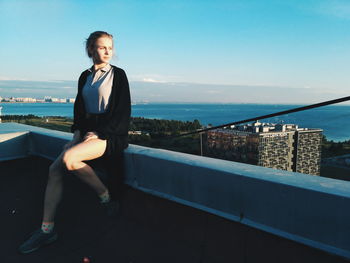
173, 92
35, 100
182, 51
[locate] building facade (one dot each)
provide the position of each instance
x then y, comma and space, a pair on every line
279, 146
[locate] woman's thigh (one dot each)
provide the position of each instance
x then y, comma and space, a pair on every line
86, 150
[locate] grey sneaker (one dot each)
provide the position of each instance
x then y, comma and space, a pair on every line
37, 239
111, 208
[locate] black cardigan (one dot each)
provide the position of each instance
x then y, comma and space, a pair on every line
114, 123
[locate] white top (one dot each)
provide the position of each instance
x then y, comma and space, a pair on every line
97, 89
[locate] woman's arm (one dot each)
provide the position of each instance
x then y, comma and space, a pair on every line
79, 108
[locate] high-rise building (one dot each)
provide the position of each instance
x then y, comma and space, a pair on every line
280, 146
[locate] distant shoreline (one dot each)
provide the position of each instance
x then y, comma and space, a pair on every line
188, 103
333, 117
57, 102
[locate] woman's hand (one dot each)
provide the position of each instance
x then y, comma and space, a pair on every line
74, 141
89, 136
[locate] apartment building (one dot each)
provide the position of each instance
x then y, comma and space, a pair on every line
279, 146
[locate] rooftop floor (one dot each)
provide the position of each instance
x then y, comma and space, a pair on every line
149, 228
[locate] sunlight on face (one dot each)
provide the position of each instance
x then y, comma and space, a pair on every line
103, 51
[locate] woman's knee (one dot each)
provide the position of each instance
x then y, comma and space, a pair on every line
68, 161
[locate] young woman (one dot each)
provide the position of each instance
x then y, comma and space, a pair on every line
101, 122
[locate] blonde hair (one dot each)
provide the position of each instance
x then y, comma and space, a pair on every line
91, 41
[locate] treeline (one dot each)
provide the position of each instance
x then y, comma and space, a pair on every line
19, 117
154, 133
331, 148
163, 126
160, 133
136, 123
53, 122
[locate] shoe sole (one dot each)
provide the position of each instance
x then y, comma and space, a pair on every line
47, 242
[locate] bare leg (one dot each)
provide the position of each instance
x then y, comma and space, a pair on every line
54, 189
87, 150
72, 160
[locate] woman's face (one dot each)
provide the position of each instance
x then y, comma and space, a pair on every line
103, 50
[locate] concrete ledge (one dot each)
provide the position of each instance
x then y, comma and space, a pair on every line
37, 141
46, 145
13, 145
308, 209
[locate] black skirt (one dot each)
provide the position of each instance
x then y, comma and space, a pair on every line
93, 121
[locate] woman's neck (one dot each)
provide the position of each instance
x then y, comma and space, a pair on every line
100, 65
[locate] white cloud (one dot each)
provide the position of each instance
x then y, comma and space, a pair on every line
154, 78
151, 80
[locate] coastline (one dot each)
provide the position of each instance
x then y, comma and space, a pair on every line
190, 103
331, 119
29, 102
151, 133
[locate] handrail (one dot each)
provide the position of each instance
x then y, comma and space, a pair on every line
312, 106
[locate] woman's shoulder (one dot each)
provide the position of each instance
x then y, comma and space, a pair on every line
85, 73
118, 70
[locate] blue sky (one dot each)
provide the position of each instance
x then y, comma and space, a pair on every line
299, 48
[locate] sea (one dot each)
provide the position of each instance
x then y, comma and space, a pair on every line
334, 120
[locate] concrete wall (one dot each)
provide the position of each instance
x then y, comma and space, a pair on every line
307, 209
20, 140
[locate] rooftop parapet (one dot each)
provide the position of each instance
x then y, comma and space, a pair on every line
306, 209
